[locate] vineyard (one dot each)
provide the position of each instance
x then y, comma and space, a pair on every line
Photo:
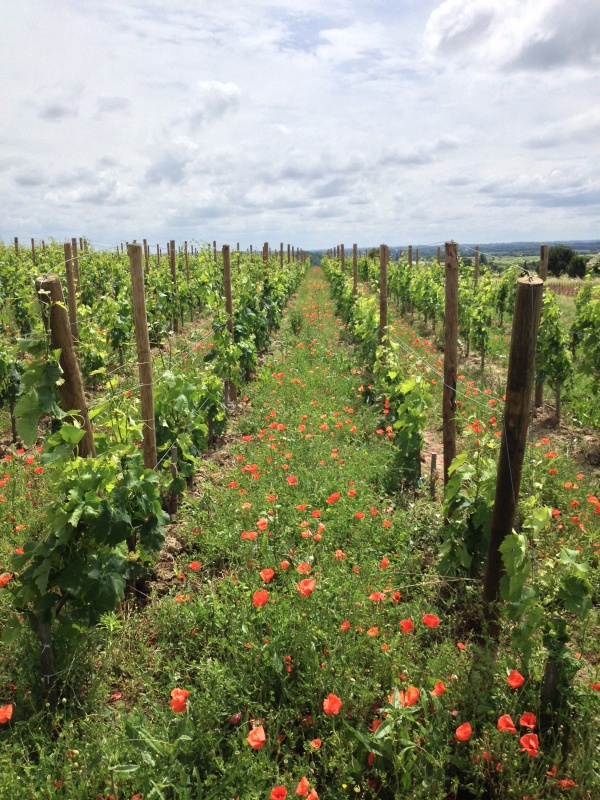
245, 546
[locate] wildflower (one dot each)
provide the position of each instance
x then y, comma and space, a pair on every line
266, 574
278, 793
377, 597
260, 598
249, 535
292, 480
302, 788
262, 524
178, 700
410, 697
438, 689
372, 631
530, 744
4, 578
316, 744
5, 713
515, 679
195, 566
333, 498
528, 720
505, 723
256, 738
304, 568
431, 620
340, 555
284, 564
306, 587
384, 562
463, 732
345, 626
406, 625
332, 704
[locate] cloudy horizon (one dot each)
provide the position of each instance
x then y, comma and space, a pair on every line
472, 120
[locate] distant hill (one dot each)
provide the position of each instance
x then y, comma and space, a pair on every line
495, 248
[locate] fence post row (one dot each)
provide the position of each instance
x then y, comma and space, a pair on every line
230, 387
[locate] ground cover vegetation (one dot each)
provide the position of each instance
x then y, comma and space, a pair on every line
317, 628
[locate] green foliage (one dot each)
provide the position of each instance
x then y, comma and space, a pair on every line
553, 359
564, 259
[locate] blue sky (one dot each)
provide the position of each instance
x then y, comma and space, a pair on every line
315, 124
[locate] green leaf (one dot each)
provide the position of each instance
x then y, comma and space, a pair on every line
28, 412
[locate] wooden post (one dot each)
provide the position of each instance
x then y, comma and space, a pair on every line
173, 265
450, 356
355, 269
383, 312
410, 256
433, 475
281, 255
56, 319
517, 410
157, 255
75, 258
16, 245
187, 263
539, 386
43, 247
72, 297
215, 250
33, 251
476, 276
439, 255
146, 256
265, 254
288, 254
81, 244
293, 254
342, 258
417, 256
231, 389
143, 353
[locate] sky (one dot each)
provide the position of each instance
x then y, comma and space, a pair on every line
311, 123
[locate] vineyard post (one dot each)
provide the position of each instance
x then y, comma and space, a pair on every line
355, 269
215, 250
288, 253
75, 258
230, 387
265, 255
33, 251
158, 255
439, 255
450, 355
517, 410
81, 244
383, 310
342, 257
43, 246
543, 275
187, 263
56, 320
143, 353
16, 245
417, 256
293, 254
72, 299
173, 266
146, 256
410, 256
281, 255
432, 475
476, 276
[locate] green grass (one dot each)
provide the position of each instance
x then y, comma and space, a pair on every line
114, 734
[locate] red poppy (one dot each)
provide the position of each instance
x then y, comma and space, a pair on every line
340, 555
463, 732
528, 720
292, 480
359, 515
505, 723
249, 535
304, 568
5, 713
333, 498
345, 626
306, 587
284, 564
278, 793
256, 738
515, 679
530, 744
266, 574
178, 700
431, 620
410, 697
195, 565
384, 562
260, 598
316, 744
372, 631
332, 704
438, 689
4, 578
312, 795
262, 524
406, 625
377, 597
303, 786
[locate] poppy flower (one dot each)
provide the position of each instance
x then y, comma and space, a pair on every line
284, 564
410, 697
266, 574
359, 515
4, 578
306, 587
463, 732
528, 720
515, 679
377, 597
372, 631
303, 786
195, 565
316, 744
312, 795
406, 625
340, 555
292, 480
249, 535
260, 598
332, 704
5, 713
262, 524
278, 793
384, 562
256, 738
431, 620
178, 700
505, 723
345, 626
438, 689
304, 568
530, 744
333, 498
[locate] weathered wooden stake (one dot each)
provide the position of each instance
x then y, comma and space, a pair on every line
173, 265
417, 256
265, 254
56, 319
450, 356
281, 255
342, 258
476, 275
33, 251
355, 269
143, 353
439, 255
517, 411
215, 250
16, 245
231, 388
410, 262
72, 297
383, 310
